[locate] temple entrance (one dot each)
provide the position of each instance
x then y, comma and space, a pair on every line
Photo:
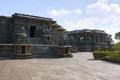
32, 31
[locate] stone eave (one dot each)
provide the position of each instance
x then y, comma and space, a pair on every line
33, 17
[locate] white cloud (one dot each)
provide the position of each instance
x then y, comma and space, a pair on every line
99, 9
108, 15
81, 24
59, 12
79, 11
103, 1
102, 9
100, 15
63, 12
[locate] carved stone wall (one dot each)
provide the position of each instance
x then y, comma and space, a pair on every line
3, 29
43, 30
90, 40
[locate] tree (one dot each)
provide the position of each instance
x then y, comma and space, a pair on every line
116, 47
111, 40
65, 34
117, 35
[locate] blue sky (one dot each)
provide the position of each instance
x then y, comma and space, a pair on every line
70, 14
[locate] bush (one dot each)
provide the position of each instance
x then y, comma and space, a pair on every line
114, 57
109, 56
99, 54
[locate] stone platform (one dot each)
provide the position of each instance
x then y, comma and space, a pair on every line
81, 66
16, 50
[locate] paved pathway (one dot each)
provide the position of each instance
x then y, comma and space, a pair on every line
80, 67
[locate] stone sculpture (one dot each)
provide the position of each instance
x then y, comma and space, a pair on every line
21, 36
64, 41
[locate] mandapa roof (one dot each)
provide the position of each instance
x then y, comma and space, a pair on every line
87, 31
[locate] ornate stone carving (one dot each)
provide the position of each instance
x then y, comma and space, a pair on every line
21, 36
64, 41
47, 31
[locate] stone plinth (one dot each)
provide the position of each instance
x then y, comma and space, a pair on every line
6, 50
22, 51
63, 51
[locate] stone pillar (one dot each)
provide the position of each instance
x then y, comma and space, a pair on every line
98, 38
28, 30
95, 38
85, 37
103, 39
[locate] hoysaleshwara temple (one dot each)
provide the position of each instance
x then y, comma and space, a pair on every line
23, 35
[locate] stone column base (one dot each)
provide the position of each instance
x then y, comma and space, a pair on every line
63, 51
22, 51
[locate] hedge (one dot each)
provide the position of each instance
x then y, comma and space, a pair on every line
107, 55
99, 54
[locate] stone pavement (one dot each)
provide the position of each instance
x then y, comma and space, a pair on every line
80, 67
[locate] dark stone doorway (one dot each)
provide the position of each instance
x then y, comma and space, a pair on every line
32, 31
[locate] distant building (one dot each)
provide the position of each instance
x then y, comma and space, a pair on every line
38, 30
89, 40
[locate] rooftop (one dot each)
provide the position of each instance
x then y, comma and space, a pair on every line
87, 31
34, 17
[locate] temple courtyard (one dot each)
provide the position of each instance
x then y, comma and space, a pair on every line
81, 66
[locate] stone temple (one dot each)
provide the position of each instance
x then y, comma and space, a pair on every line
38, 30
23, 35
89, 40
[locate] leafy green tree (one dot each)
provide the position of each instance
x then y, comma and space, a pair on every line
117, 36
111, 40
116, 47
65, 34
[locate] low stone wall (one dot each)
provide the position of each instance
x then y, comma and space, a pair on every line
34, 50
39, 50
6, 50
15, 50
85, 48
